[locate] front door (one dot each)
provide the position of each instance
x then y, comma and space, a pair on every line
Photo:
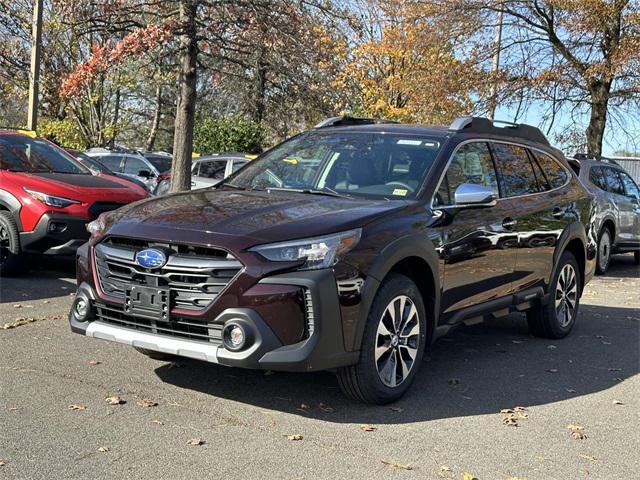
478, 243
630, 209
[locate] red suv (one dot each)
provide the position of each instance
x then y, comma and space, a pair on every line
47, 197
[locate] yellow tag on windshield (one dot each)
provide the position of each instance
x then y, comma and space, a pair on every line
401, 192
292, 161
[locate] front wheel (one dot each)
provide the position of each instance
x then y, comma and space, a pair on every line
392, 345
557, 317
9, 244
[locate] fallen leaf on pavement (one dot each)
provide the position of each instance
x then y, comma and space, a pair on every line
577, 432
2, 463
444, 471
397, 465
468, 476
617, 402
115, 400
294, 437
93, 362
551, 347
158, 422
146, 403
77, 407
588, 457
614, 369
368, 427
570, 390
104, 449
396, 409
552, 370
325, 408
195, 441
510, 421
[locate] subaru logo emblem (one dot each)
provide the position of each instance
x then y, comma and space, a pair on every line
151, 258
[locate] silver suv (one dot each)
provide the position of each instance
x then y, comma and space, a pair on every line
618, 216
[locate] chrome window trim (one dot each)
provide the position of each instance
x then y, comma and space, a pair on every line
488, 140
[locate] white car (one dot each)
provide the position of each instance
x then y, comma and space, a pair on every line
145, 168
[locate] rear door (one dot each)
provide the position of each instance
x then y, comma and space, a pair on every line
478, 246
209, 173
632, 203
621, 204
134, 166
533, 183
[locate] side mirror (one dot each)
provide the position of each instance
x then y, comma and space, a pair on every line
145, 174
470, 194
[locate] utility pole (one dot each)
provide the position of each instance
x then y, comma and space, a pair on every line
493, 100
34, 76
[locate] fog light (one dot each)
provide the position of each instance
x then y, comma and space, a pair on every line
234, 337
57, 227
81, 308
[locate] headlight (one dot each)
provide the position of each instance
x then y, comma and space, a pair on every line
319, 252
97, 226
51, 200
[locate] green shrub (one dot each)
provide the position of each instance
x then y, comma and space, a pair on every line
62, 132
232, 134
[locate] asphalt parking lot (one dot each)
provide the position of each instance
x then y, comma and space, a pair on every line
242, 421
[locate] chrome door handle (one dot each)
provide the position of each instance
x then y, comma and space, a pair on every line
509, 223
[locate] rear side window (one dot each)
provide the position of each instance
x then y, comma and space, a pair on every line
133, 166
556, 174
213, 169
470, 164
112, 162
516, 172
596, 176
614, 183
630, 186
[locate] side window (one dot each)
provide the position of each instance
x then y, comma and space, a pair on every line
543, 185
213, 169
112, 162
614, 183
237, 164
516, 172
630, 186
556, 173
133, 165
596, 175
470, 164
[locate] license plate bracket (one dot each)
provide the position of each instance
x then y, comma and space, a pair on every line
152, 303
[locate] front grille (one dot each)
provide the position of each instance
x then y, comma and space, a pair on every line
190, 329
100, 207
195, 276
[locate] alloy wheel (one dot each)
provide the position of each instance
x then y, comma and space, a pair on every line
5, 244
566, 295
604, 251
397, 340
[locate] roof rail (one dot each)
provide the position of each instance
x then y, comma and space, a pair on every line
598, 158
485, 125
346, 120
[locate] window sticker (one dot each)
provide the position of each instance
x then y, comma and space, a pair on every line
401, 192
404, 141
292, 161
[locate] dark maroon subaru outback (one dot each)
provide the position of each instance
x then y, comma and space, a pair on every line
349, 248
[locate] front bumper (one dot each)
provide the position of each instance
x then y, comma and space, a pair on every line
323, 349
55, 234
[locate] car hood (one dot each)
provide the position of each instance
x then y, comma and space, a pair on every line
259, 216
85, 188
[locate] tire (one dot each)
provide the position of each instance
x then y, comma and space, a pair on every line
604, 251
552, 320
156, 355
382, 380
636, 257
9, 244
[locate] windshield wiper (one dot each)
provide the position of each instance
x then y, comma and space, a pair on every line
324, 191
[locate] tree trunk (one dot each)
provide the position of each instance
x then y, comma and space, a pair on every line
115, 119
156, 120
186, 108
600, 93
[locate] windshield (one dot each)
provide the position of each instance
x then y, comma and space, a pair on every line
25, 154
353, 163
162, 164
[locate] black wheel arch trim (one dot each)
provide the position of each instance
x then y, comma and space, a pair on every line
13, 205
573, 231
418, 245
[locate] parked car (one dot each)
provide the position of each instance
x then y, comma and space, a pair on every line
208, 170
133, 164
618, 196
47, 197
343, 249
98, 168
